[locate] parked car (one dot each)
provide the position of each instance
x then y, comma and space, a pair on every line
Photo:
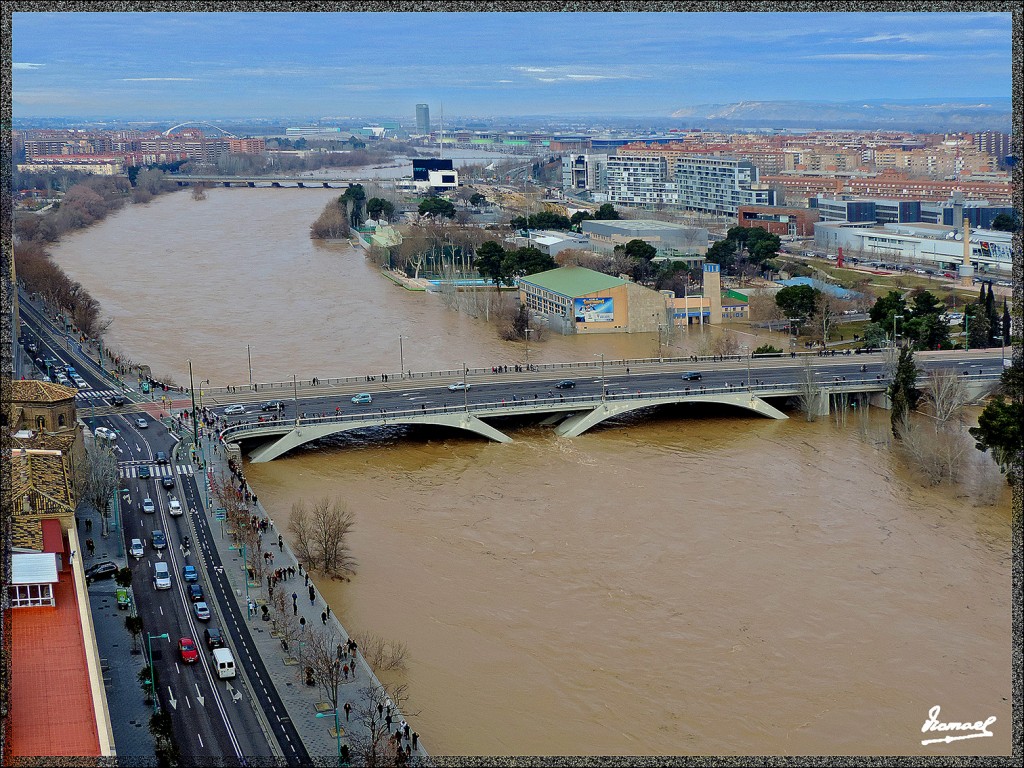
167, 482
161, 457
273, 405
104, 570
566, 384
144, 471
105, 434
148, 506
187, 649
202, 610
141, 423
190, 574
233, 410
195, 592
214, 638
137, 549
175, 506
362, 397
691, 376
159, 540
458, 386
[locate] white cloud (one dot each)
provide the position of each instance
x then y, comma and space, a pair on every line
157, 79
26, 65
873, 56
885, 39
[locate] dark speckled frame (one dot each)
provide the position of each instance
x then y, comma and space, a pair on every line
6, 362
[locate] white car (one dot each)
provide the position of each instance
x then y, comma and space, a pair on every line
137, 548
148, 506
175, 506
458, 386
82, 384
104, 434
233, 410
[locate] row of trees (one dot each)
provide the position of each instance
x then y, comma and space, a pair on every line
503, 267
41, 275
745, 250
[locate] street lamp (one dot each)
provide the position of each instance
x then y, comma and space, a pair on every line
401, 357
195, 417
746, 350
152, 672
528, 332
295, 395
465, 387
248, 354
337, 727
604, 389
894, 318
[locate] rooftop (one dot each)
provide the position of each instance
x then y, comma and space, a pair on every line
31, 391
573, 281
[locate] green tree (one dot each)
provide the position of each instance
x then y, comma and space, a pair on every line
978, 329
1005, 223
926, 303
134, 626
722, 253
762, 245
489, 262
437, 207
607, 212
903, 391
887, 307
874, 335
354, 199
767, 349
525, 261
379, 208
578, 217
999, 425
928, 332
797, 300
477, 199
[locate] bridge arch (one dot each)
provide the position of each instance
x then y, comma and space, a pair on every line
171, 130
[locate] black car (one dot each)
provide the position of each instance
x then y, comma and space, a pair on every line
167, 482
117, 400
273, 405
103, 570
161, 457
143, 471
213, 637
566, 384
691, 376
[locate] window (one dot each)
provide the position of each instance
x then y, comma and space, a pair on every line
40, 422
30, 595
61, 421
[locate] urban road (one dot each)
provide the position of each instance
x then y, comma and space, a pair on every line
212, 719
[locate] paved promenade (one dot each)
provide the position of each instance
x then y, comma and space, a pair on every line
302, 702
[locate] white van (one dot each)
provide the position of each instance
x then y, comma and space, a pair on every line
161, 575
224, 663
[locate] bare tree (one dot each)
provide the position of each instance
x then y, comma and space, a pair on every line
321, 535
947, 396
374, 746
810, 393
381, 654
763, 307
97, 478
726, 344
320, 654
936, 456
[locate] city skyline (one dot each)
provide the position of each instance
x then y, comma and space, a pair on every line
221, 65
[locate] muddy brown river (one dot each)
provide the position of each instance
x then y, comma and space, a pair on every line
692, 582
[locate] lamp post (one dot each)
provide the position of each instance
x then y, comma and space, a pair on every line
604, 389
746, 351
337, 728
894, 318
465, 387
401, 357
195, 417
245, 573
967, 330
152, 672
528, 332
295, 395
248, 354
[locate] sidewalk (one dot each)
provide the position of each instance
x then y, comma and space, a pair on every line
302, 702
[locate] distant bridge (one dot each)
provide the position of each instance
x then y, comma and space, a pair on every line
301, 182
172, 129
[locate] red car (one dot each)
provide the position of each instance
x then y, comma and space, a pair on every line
189, 652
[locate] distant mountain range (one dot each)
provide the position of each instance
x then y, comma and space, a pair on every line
911, 114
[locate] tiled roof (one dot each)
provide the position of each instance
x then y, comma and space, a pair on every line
41, 477
31, 391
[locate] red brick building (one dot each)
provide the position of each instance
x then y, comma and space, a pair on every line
777, 220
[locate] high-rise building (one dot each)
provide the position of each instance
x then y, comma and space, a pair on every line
423, 118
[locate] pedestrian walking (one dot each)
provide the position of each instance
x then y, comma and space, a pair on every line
307, 579
415, 738
323, 617
280, 542
341, 651
312, 595
328, 611
387, 719
345, 670
348, 710
295, 609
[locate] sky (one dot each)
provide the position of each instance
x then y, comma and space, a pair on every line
229, 65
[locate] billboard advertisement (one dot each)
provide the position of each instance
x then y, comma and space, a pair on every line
598, 309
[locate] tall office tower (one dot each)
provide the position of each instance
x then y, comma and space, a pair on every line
423, 118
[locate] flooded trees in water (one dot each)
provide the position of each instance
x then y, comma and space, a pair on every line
381, 654
332, 223
321, 536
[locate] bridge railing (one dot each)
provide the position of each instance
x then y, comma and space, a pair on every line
276, 388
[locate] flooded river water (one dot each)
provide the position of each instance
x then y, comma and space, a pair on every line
699, 582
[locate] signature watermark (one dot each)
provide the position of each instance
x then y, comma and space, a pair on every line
933, 723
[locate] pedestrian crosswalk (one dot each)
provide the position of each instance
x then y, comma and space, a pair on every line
156, 470
91, 394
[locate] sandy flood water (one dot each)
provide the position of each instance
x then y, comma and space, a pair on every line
710, 583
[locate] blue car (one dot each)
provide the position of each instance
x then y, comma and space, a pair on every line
362, 397
190, 573
195, 591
